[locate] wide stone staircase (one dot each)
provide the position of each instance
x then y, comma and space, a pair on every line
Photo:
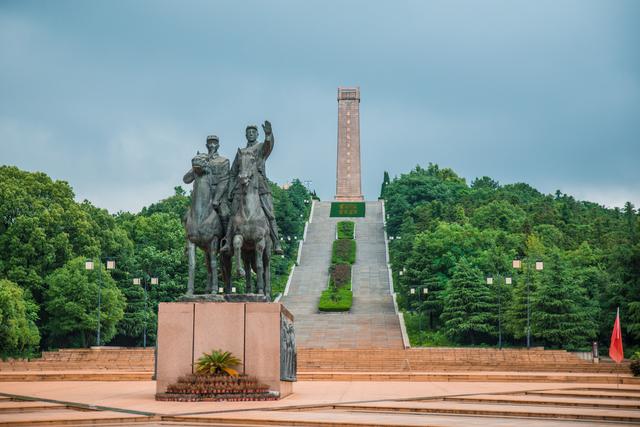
443, 359
101, 363
372, 321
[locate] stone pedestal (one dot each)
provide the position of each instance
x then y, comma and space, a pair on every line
251, 331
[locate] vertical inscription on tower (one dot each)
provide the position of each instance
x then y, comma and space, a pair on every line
348, 187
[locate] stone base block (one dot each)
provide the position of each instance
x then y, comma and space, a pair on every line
251, 331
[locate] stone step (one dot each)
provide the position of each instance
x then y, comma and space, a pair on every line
471, 376
107, 375
586, 393
521, 410
446, 360
595, 402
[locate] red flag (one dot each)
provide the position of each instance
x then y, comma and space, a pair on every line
615, 349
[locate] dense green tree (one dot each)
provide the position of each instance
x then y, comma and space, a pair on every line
561, 315
470, 306
499, 214
72, 304
385, 181
19, 335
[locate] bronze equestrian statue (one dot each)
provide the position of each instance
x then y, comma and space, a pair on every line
248, 230
262, 151
208, 215
250, 227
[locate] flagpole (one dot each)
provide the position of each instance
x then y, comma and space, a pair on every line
618, 373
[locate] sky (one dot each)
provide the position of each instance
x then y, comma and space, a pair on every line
116, 97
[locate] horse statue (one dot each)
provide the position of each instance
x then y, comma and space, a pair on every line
250, 230
204, 227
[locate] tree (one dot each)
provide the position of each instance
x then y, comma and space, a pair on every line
500, 215
470, 309
72, 302
385, 181
19, 335
561, 315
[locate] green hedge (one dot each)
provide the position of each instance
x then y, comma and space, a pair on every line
346, 229
336, 299
344, 252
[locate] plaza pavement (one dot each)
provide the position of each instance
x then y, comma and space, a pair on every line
333, 403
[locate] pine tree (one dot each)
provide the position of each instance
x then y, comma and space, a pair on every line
470, 309
385, 182
561, 314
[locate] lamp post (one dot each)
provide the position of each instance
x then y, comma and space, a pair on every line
139, 281
88, 265
507, 281
420, 290
539, 266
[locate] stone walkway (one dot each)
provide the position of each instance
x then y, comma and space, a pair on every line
372, 322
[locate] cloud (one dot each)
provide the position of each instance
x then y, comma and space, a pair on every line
116, 99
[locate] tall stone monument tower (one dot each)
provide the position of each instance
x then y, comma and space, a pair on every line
348, 186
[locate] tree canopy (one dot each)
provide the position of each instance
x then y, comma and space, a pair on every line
453, 234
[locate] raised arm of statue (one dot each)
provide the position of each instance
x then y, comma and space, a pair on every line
189, 177
267, 146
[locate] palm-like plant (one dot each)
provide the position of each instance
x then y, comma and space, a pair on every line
218, 362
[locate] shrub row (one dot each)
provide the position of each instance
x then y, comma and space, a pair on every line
338, 295
336, 299
346, 230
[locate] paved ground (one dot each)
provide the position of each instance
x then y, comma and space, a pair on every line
331, 404
372, 322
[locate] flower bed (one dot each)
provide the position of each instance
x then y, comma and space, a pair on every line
340, 276
206, 387
344, 251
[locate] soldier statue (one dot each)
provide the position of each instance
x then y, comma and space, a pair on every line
220, 169
208, 215
261, 150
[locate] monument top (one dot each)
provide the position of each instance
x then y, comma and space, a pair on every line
349, 93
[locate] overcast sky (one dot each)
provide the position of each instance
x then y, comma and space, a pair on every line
115, 97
